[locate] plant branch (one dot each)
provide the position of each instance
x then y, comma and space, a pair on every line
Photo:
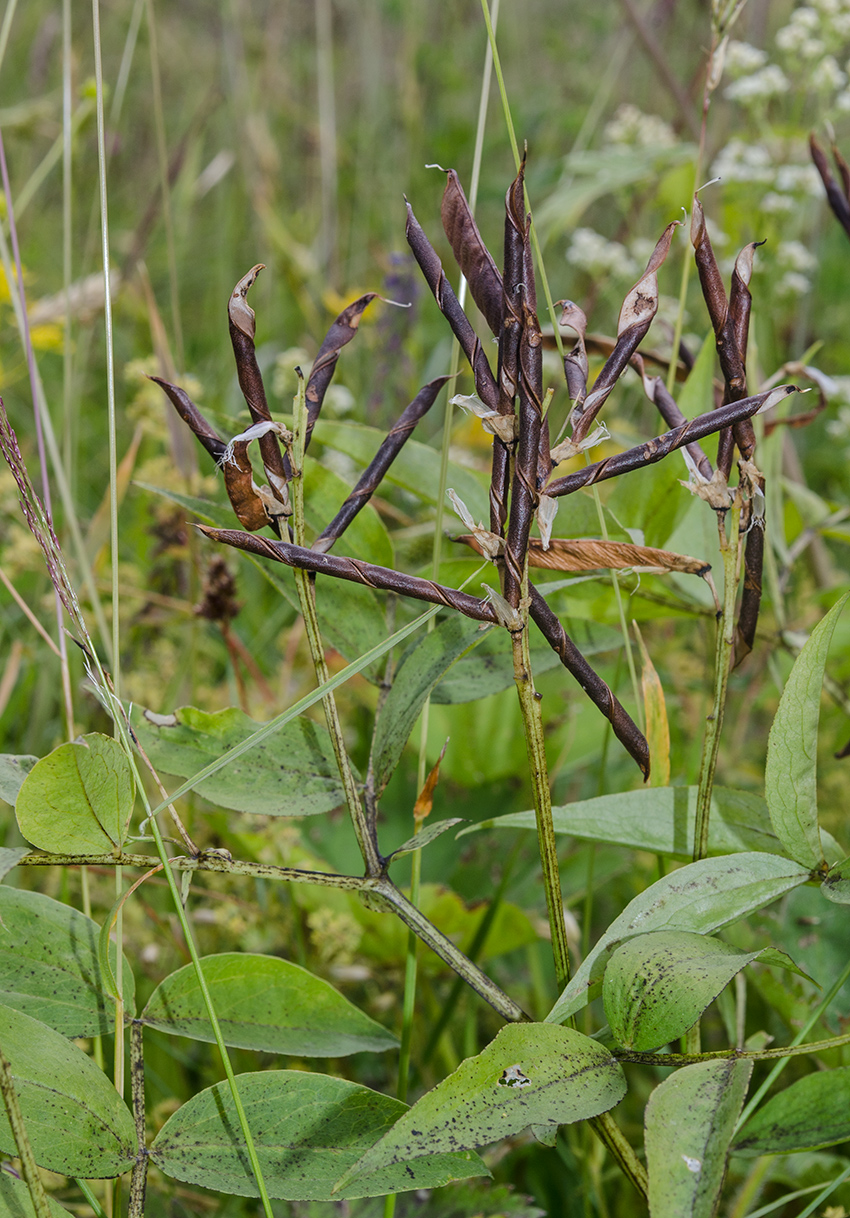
139, 1176
29, 1170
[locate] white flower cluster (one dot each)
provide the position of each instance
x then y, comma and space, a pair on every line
769, 81
630, 127
590, 251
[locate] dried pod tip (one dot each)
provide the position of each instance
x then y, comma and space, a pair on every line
238, 310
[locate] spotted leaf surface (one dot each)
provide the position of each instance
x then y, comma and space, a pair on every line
531, 1074
307, 1130
690, 1120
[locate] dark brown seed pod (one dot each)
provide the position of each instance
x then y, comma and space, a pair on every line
636, 314
341, 332
839, 200
373, 475
193, 418
471, 254
242, 330
449, 306
661, 446
525, 491
668, 408
383, 579
623, 726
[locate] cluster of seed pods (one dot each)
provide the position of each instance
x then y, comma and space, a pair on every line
510, 401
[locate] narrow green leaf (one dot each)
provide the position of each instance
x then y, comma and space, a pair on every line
13, 770
78, 799
417, 674
427, 835
49, 966
293, 773
656, 986
76, 1121
264, 1003
531, 1074
701, 897
15, 1200
307, 1128
790, 777
660, 819
812, 1113
690, 1120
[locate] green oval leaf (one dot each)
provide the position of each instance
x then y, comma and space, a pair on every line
76, 1122
531, 1074
790, 776
307, 1130
690, 1119
811, 1113
49, 966
656, 986
78, 799
265, 1003
420, 669
292, 773
701, 897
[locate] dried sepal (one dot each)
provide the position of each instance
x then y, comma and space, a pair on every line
486, 543
471, 254
569, 448
713, 490
506, 614
547, 510
502, 425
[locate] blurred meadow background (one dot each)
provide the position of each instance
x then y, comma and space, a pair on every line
288, 133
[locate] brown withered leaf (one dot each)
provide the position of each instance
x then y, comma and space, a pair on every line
592, 554
471, 254
425, 798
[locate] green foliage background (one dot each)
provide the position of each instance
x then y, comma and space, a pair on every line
246, 127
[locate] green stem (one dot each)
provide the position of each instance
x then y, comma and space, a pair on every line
610, 1135
29, 1170
722, 665
307, 598
535, 744
756, 1055
138, 1179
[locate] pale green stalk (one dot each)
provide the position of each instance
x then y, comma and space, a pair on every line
6, 28
363, 831
722, 666
110, 355
162, 160
74, 122
822, 1196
